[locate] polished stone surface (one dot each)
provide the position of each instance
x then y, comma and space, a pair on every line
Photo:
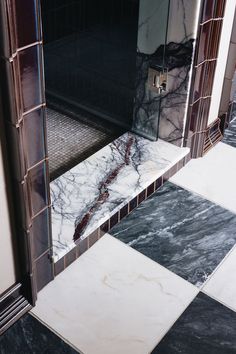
183, 232
206, 327
90, 193
212, 176
114, 300
29, 336
170, 42
230, 134
222, 285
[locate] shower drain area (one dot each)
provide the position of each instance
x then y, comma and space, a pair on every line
71, 141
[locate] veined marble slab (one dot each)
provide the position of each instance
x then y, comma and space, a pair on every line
113, 300
90, 193
183, 232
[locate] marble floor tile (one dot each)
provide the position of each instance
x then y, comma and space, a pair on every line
222, 285
181, 231
29, 336
212, 176
206, 327
90, 193
114, 300
230, 133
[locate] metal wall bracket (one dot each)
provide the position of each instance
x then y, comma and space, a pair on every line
158, 80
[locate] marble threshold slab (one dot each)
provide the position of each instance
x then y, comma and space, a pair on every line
86, 196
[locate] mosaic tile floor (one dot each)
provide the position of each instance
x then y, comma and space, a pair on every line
71, 141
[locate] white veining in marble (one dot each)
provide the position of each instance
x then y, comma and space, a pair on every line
212, 176
114, 300
222, 285
97, 188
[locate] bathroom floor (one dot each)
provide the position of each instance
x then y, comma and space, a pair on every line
162, 282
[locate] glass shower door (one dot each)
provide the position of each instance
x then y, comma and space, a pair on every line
106, 57
90, 56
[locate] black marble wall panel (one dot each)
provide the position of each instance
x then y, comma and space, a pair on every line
163, 114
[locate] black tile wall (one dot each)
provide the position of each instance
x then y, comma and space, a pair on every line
205, 59
31, 76
21, 61
38, 189
43, 270
40, 233
33, 130
26, 21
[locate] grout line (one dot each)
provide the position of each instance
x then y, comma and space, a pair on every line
55, 332
202, 196
217, 268
219, 301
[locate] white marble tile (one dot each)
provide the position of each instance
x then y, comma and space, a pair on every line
91, 192
113, 300
222, 285
213, 176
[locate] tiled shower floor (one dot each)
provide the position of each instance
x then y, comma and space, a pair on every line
71, 141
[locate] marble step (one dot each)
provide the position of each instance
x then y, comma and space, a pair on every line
94, 191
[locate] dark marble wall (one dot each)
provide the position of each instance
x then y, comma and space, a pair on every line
163, 114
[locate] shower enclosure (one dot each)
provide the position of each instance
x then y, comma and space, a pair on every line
99, 80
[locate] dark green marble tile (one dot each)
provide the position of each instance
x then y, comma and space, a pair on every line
29, 336
206, 327
183, 232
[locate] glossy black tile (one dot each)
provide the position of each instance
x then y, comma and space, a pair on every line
40, 233
114, 219
203, 44
38, 188
208, 10
214, 39
70, 257
59, 266
29, 336
34, 137
181, 231
43, 270
27, 22
124, 211
206, 327
31, 77
219, 8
